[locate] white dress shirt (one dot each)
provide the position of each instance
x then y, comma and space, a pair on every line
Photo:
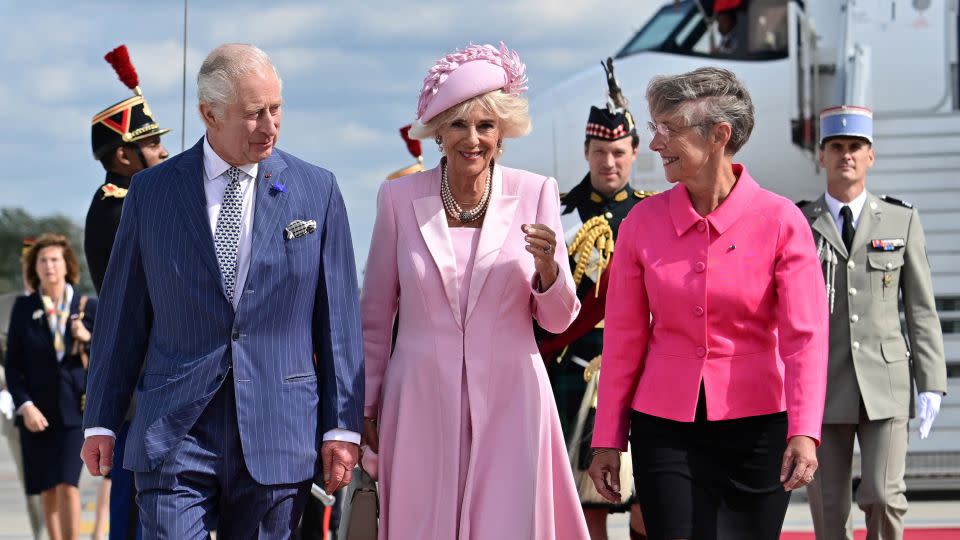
856, 206
214, 185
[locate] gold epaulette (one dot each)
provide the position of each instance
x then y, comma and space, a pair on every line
641, 194
112, 190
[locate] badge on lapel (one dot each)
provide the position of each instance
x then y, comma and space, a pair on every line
298, 228
891, 244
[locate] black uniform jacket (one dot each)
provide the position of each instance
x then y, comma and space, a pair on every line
103, 219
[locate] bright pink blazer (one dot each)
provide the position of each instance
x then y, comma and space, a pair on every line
735, 300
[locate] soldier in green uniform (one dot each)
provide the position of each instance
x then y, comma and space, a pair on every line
591, 215
125, 140
874, 255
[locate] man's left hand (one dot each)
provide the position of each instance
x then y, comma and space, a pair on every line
928, 406
339, 459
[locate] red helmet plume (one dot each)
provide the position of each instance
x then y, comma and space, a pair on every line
119, 58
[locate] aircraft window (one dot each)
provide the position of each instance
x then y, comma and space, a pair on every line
768, 27
759, 31
702, 45
688, 29
656, 31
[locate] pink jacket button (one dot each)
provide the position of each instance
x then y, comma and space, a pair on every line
701, 352
700, 267
701, 225
698, 311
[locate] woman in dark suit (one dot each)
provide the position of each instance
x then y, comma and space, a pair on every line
47, 341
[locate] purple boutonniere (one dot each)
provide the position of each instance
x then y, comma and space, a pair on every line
277, 187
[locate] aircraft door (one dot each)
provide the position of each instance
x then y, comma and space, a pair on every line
909, 50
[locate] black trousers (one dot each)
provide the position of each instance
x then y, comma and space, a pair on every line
707, 480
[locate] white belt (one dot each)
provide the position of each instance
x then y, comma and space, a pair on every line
579, 361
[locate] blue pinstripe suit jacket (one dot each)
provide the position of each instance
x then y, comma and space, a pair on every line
163, 309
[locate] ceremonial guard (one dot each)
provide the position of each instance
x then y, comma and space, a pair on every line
126, 140
874, 256
591, 215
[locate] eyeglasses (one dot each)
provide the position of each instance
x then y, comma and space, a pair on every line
665, 131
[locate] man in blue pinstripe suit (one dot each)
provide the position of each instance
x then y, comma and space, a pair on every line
232, 284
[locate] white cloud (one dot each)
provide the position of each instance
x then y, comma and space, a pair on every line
54, 83
275, 25
297, 61
160, 66
37, 35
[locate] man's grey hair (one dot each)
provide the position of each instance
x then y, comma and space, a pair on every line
705, 96
224, 67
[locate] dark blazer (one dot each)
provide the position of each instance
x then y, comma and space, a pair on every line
165, 309
33, 372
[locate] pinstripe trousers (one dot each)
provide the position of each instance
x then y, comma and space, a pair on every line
204, 485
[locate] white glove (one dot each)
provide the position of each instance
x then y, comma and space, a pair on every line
928, 406
6, 404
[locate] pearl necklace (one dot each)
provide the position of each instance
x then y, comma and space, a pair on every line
453, 208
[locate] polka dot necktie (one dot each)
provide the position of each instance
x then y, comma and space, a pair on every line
227, 236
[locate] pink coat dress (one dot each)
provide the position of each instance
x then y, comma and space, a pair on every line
505, 474
735, 300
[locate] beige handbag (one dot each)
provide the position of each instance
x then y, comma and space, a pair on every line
364, 510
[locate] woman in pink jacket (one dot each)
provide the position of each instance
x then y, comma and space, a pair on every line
715, 349
460, 409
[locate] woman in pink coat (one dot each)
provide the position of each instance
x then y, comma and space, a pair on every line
715, 348
459, 408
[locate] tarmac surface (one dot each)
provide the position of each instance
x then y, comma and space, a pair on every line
925, 520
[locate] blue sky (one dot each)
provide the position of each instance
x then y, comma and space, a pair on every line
351, 71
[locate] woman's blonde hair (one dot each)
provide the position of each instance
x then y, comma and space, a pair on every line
512, 111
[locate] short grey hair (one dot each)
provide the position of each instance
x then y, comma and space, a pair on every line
511, 110
705, 96
223, 67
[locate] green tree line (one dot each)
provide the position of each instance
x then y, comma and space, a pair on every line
17, 224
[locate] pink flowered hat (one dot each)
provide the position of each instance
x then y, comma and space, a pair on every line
465, 74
